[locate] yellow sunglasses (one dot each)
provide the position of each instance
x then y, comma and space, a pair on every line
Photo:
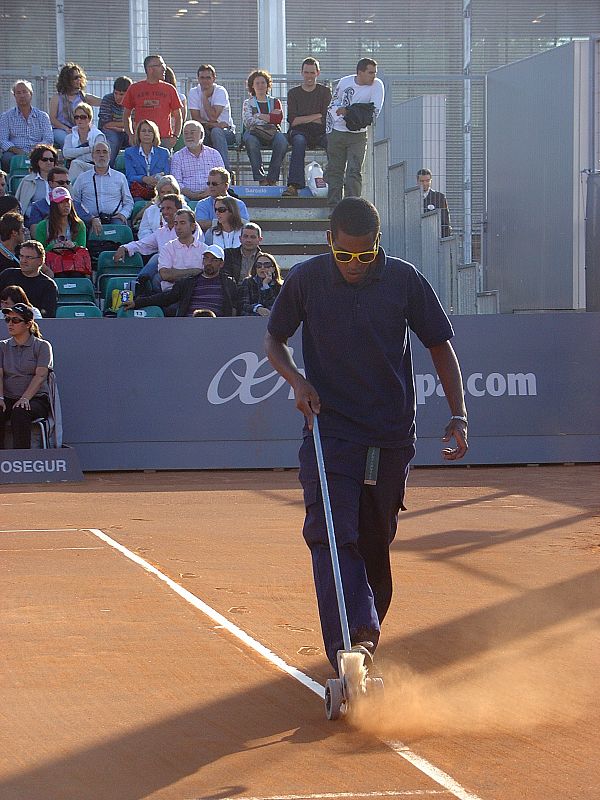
345, 256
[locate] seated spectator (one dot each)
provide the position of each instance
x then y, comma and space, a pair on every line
11, 295
307, 106
146, 161
262, 116
209, 104
192, 163
70, 92
227, 231
24, 392
12, 234
3, 179
103, 191
9, 203
152, 219
63, 229
79, 143
239, 260
259, 290
181, 257
218, 186
148, 278
39, 288
34, 186
154, 99
207, 289
171, 78
110, 118
24, 126
58, 176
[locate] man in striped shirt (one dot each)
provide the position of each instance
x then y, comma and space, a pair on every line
23, 127
192, 164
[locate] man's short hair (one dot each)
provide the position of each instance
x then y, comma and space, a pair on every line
3, 174
192, 123
424, 171
33, 244
176, 199
100, 144
253, 227
28, 84
148, 59
222, 173
189, 214
10, 223
364, 63
207, 68
311, 62
57, 171
122, 83
354, 216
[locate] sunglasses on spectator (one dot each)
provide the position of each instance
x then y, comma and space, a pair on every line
61, 183
221, 209
214, 183
264, 264
13, 320
80, 116
45, 158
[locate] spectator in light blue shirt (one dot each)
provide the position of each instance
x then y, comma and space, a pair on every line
218, 185
23, 127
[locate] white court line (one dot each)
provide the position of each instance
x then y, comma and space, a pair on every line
44, 530
424, 766
44, 549
341, 795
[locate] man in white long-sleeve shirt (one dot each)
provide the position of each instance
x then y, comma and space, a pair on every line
103, 190
346, 148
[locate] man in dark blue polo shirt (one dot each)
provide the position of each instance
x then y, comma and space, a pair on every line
356, 306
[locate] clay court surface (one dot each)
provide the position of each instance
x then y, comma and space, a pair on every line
115, 687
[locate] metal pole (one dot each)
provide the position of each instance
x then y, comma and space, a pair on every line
139, 34
468, 241
60, 33
272, 49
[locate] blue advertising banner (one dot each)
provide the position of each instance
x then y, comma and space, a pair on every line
200, 394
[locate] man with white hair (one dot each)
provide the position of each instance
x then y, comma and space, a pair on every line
24, 126
103, 191
192, 164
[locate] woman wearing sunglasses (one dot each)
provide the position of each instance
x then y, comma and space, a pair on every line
25, 360
80, 142
259, 290
227, 231
34, 186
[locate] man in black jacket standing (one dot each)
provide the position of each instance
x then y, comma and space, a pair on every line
211, 289
433, 200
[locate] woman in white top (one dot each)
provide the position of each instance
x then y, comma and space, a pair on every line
229, 227
79, 143
151, 218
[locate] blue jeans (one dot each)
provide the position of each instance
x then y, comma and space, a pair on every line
299, 145
220, 139
59, 137
365, 519
118, 140
150, 271
279, 146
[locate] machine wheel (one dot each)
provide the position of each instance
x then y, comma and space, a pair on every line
334, 697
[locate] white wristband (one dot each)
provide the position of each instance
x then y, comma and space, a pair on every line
457, 416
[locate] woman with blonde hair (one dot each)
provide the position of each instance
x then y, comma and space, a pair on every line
24, 392
80, 142
151, 218
146, 161
226, 233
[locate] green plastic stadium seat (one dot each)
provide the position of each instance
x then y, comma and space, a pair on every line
114, 233
73, 291
13, 183
138, 206
110, 284
141, 313
107, 268
76, 312
179, 144
120, 162
19, 165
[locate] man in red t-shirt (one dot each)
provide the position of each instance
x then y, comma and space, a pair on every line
155, 100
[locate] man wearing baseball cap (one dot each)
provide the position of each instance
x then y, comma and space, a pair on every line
210, 289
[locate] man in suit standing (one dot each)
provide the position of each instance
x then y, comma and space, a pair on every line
433, 200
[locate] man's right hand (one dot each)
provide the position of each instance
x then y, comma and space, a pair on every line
129, 305
307, 399
96, 226
120, 254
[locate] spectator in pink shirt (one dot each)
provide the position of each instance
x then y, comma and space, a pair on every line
191, 164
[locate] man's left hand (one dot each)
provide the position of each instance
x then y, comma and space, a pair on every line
456, 429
